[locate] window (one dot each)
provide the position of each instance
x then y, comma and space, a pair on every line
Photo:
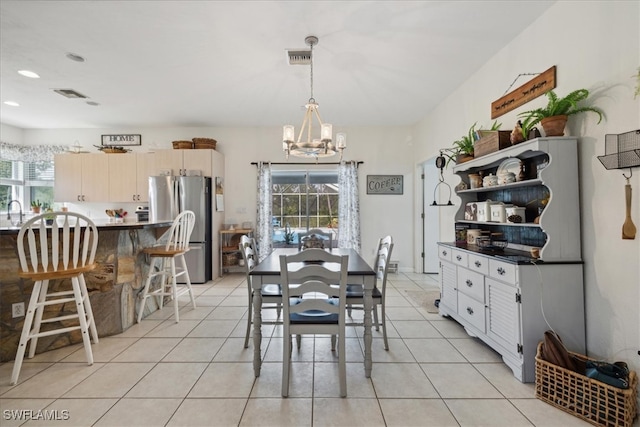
26, 182
303, 200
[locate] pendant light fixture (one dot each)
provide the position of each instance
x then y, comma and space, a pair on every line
312, 147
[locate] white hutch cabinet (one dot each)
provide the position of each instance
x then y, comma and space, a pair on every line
506, 298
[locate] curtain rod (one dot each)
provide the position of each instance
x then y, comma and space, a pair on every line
358, 162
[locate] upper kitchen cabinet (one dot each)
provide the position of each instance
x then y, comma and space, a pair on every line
129, 177
81, 177
181, 161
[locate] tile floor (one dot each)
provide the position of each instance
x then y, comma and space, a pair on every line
197, 373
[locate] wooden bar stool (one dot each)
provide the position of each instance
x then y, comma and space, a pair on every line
66, 253
165, 256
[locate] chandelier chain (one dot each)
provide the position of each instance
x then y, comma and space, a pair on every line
311, 56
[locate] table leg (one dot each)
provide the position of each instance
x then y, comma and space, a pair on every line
257, 330
368, 303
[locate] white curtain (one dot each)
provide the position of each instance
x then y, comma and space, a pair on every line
264, 226
348, 207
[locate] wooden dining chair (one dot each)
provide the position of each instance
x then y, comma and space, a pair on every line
271, 293
309, 275
326, 239
164, 257
63, 251
355, 293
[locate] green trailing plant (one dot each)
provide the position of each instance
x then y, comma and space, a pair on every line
463, 146
560, 106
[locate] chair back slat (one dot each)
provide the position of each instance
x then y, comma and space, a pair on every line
313, 275
55, 248
383, 258
322, 235
180, 231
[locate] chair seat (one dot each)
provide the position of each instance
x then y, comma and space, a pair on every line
271, 290
313, 317
357, 291
61, 273
161, 251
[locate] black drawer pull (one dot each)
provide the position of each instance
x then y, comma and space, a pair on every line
501, 271
470, 310
444, 253
469, 283
459, 258
478, 263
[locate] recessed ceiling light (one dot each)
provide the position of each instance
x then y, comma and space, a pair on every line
12, 103
74, 57
29, 74
93, 103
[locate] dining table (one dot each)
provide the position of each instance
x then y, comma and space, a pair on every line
267, 271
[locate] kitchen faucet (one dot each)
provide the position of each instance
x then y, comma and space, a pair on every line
9, 212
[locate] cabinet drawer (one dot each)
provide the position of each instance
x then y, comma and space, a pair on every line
471, 311
471, 283
503, 271
459, 257
479, 263
444, 253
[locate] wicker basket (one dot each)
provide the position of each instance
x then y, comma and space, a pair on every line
182, 145
230, 259
586, 398
204, 143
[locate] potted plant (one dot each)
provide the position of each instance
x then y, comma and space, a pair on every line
553, 117
35, 206
462, 149
48, 218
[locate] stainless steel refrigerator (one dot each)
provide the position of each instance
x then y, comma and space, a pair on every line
170, 195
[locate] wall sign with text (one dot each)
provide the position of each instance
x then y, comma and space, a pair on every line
532, 89
384, 184
120, 140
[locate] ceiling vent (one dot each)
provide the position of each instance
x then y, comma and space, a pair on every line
299, 56
69, 93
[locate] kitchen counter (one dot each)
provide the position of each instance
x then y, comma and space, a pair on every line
103, 224
113, 286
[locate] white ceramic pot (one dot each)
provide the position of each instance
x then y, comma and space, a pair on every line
484, 210
472, 235
515, 210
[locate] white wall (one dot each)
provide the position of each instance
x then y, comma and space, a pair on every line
10, 134
595, 45
384, 151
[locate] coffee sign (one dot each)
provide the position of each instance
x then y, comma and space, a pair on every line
384, 184
121, 140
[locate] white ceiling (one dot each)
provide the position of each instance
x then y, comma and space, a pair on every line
223, 63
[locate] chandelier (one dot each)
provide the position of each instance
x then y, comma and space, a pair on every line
312, 147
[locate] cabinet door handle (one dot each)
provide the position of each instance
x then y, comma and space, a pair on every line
83, 197
459, 258
444, 253
501, 271
469, 283
138, 198
478, 264
79, 198
470, 310
133, 197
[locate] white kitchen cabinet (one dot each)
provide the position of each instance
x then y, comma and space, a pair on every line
81, 177
129, 177
506, 298
179, 162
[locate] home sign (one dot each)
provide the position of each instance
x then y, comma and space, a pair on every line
122, 139
384, 184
